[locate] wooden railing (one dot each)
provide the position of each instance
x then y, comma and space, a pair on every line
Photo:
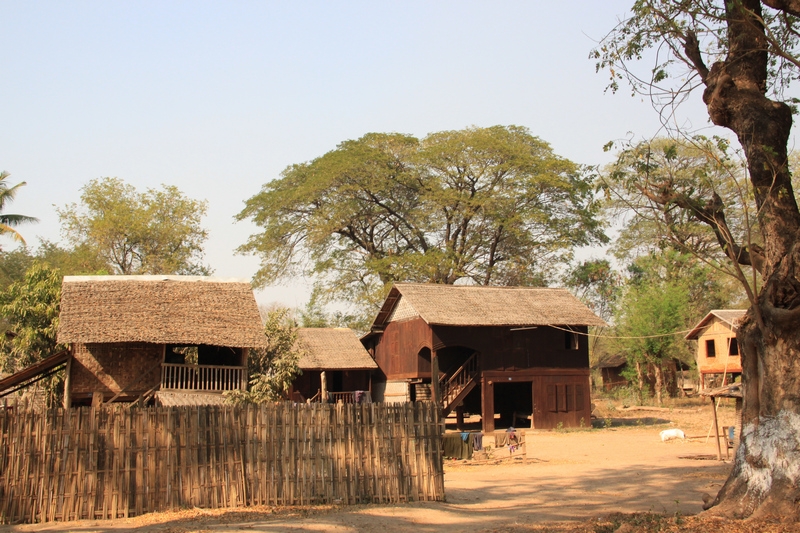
349, 397
202, 377
451, 386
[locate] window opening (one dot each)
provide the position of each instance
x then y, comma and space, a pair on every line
733, 347
711, 350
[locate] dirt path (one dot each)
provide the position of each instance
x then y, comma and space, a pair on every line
566, 476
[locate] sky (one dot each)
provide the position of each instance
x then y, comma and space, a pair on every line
217, 98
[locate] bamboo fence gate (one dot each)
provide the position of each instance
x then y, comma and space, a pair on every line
114, 462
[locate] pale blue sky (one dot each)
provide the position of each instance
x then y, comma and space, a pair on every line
218, 97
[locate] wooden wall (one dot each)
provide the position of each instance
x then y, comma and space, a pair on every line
722, 335
115, 462
397, 350
505, 348
560, 396
502, 348
110, 368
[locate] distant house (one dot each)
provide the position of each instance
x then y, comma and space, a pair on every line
487, 350
335, 366
611, 367
718, 359
180, 339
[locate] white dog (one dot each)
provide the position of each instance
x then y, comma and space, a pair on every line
669, 434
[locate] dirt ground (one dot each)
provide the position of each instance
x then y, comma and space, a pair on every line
572, 480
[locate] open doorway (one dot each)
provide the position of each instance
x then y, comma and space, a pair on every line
513, 401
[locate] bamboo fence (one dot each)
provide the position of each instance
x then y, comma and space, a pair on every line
113, 462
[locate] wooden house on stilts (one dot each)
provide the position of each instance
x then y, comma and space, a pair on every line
177, 339
497, 351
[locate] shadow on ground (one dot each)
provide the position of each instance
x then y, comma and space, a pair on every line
600, 423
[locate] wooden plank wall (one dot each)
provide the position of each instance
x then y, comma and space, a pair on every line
113, 462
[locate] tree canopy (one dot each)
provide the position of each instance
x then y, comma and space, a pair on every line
488, 205
30, 308
155, 232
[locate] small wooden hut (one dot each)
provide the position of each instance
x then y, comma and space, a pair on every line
717, 355
487, 350
335, 366
132, 337
611, 367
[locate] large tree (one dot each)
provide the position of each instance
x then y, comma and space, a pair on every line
489, 205
742, 54
155, 232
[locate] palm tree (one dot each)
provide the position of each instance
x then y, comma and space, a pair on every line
7, 221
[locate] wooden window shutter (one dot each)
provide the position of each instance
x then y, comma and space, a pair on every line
579, 397
562, 397
570, 393
552, 401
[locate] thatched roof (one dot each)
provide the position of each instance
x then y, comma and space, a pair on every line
332, 349
611, 361
458, 305
159, 309
729, 316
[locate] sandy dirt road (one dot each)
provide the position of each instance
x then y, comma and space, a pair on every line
570, 476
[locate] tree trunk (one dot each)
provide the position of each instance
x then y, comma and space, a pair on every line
640, 381
659, 373
765, 478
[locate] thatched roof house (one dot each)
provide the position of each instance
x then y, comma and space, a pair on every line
135, 335
491, 349
337, 354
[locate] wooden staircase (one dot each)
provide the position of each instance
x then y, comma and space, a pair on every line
455, 387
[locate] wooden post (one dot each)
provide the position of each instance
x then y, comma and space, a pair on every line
460, 417
245, 363
716, 428
437, 393
68, 383
487, 406
323, 378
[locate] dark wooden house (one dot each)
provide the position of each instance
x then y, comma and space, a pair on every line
497, 351
611, 368
180, 339
335, 366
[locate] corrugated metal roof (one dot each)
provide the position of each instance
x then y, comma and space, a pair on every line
458, 305
332, 349
159, 309
729, 316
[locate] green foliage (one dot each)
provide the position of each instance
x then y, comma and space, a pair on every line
30, 308
155, 232
314, 315
272, 369
489, 205
9, 221
596, 284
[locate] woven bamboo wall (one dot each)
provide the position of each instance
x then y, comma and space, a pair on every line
114, 462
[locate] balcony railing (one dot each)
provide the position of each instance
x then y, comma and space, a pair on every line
350, 397
202, 377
